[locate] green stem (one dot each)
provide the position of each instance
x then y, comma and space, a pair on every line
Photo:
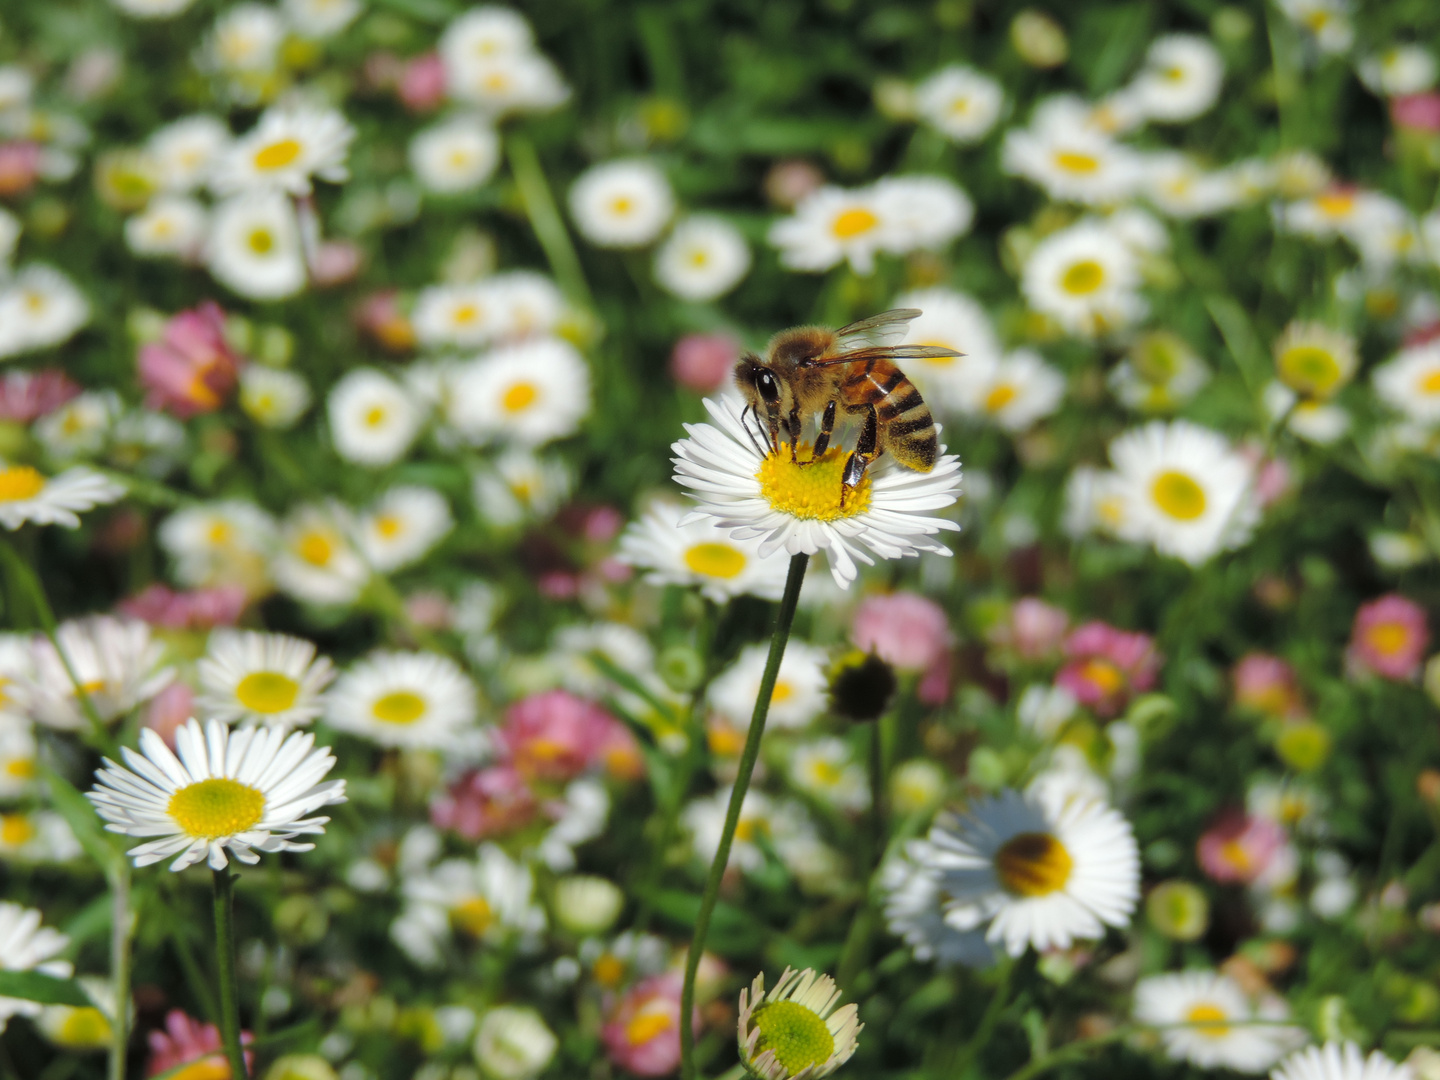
1070, 1051
878, 809
783, 621
225, 966
991, 1017
545, 219
120, 929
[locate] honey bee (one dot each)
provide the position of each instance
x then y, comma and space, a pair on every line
812, 371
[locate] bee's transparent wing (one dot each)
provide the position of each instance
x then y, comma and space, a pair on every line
887, 328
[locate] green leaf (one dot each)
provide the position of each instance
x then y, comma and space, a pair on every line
46, 989
83, 822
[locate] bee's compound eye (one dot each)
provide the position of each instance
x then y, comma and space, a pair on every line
765, 382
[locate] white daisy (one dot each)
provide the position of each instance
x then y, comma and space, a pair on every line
254, 246
403, 525
25, 945
956, 321
417, 700
1039, 872
960, 102
1385, 232
1181, 78
316, 561
1208, 1021
915, 911
26, 494
765, 823
1070, 157
19, 752
184, 151
40, 836
800, 687
527, 304
1410, 382
925, 212
373, 418
826, 770
80, 427
172, 225
1339, 1061
1176, 184
455, 155
1314, 359
1186, 490
1313, 420
116, 662
1328, 21
520, 486
529, 393
245, 38
1094, 501
285, 149
463, 314
1161, 373
273, 397
1018, 391
622, 204
261, 678
1334, 211
227, 791
1404, 68
704, 257
506, 83
484, 32
321, 18
699, 554
832, 224
795, 1031
39, 307
1086, 278
220, 543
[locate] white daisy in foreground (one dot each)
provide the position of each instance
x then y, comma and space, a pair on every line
116, 662
26, 494
226, 791
1085, 277
622, 204
418, 700
25, 945
530, 393
915, 907
1208, 1021
703, 257
960, 102
795, 1030
373, 418
1181, 79
1186, 490
800, 686
403, 525
456, 155
285, 149
1042, 872
254, 246
261, 678
755, 494
1339, 1061
273, 397
699, 554
1410, 383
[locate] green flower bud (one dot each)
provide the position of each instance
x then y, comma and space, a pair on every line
1178, 910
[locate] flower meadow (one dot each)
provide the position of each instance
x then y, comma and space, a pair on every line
433, 647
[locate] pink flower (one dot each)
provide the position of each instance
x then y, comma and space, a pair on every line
198, 609
642, 1034
19, 167
934, 686
1417, 112
1107, 665
1267, 684
703, 362
192, 368
335, 262
29, 395
1239, 847
557, 736
485, 802
169, 709
1389, 638
791, 180
602, 524
381, 316
1034, 630
185, 1041
429, 608
422, 83
903, 629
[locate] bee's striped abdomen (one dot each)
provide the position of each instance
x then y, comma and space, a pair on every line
906, 425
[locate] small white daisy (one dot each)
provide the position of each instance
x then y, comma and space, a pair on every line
826, 770
1094, 501
173, 225
1086, 278
527, 304
484, 32
529, 393
373, 418
1336, 210
1186, 490
956, 321
26, 494
699, 554
1328, 22
925, 213
25, 945
116, 662
520, 486
915, 911
220, 543
1208, 1021
1070, 157
1317, 421
1039, 872
80, 427
227, 791
19, 752
506, 83
1339, 1061
794, 1032
273, 397
316, 562
800, 687
245, 39
1017, 391
455, 155
960, 102
254, 246
781, 826
321, 18
252, 677
39, 307
757, 494
463, 315
402, 526
285, 149
1177, 186
1181, 78
417, 700
1404, 68
184, 151
1410, 382
704, 257
40, 836
622, 204
833, 224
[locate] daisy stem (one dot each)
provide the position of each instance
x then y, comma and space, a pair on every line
783, 621
1070, 1052
988, 1021
120, 929
225, 965
545, 219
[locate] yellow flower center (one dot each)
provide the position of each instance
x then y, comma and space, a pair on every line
1209, 1020
622, 205
999, 397
1178, 495
795, 1034
520, 397
20, 768
466, 314
854, 222
1033, 864
959, 106
1103, 674
715, 560
216, 807
375, 416
1429, 384
399, 707
389, 526
783, 692
315, 548
214, 1067
15, 829
84, 1028
1335, 203
746, 829
826, 773
277, 155
20, 482
1083, 278
267, 692
652, 1020
1073, 162
1388, 638
474, 916
1310, 369
1236, 855
218, 533
724, 741
811, 492
609, 970
698, 258
261, 241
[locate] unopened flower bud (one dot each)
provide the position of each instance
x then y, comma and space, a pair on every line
587, 905
1178, 910
1039, 39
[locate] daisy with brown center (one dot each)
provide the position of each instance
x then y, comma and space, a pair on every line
262, 678
417, 700
26, 494
795, 1032
222, 791
1207, 1020
1038, 870
754, 493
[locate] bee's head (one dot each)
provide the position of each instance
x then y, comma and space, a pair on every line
758, 385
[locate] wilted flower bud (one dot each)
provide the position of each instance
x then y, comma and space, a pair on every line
1178, 910
587, 905
861, 686
513, 1043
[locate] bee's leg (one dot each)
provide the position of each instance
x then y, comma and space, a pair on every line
863, 455
772, 420
793, 427
746, 415
822, 441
